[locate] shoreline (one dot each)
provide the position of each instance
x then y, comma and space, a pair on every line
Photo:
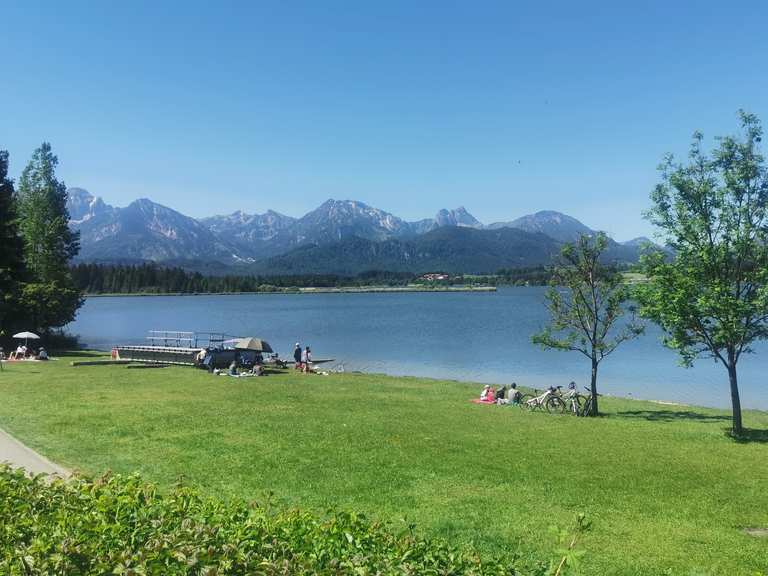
531, 388
302, 291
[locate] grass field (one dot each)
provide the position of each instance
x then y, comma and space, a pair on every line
667, 491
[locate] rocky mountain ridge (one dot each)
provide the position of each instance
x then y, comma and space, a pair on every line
145, 230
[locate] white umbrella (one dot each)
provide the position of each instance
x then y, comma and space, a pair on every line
26, 336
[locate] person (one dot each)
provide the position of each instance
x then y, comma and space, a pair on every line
233, 368
306, 359
501, 394
485, 393
513, 395
42, 354
297, 356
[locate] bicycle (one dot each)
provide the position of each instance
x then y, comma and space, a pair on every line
573, 400
588, 404
549, 400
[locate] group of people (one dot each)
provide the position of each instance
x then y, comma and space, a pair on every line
302, 358
504, 395
255, 369
24, 353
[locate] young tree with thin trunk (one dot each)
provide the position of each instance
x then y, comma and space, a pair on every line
587, 303
711, 299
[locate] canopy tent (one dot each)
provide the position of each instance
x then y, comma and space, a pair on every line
256, 344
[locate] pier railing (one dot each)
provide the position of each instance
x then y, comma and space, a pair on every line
178, 339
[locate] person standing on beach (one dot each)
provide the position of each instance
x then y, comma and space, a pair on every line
297, 355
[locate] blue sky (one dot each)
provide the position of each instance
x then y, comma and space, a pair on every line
503, 107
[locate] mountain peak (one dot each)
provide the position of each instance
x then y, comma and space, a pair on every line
82, 205
557, 225
343, 218
457, 217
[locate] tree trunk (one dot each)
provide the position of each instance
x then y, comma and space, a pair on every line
735, 401
593, 388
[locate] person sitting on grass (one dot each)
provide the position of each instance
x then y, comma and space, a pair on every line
42, 354
513, 395
233, 368
501, 395
488, 394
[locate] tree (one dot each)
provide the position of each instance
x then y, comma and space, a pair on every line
586, 317
50, 297
11, 246
711, 299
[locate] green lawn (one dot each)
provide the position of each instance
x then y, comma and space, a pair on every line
663, 485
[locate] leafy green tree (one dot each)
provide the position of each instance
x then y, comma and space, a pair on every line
586, 316
51, 297
11, 246
711, 299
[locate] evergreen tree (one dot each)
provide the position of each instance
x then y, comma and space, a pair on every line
11, 247
50, 298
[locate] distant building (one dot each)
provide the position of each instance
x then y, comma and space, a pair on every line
434, 277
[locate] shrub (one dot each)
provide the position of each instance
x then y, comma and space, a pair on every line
126, 526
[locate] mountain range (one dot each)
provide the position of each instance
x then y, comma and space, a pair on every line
340, 236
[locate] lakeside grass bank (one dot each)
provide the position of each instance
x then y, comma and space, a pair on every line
665, 487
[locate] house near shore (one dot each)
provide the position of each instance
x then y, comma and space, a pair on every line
434, 277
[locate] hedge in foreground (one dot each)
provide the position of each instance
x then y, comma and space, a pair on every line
125, 526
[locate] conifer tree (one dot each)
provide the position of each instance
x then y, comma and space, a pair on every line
11, 247
50, 297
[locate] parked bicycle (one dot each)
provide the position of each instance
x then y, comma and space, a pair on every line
549, 400
573, 400
588, 403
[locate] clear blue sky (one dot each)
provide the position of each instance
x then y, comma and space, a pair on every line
504, 107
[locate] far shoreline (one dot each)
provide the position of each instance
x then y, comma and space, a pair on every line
313, 290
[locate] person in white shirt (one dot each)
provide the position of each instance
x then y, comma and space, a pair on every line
306, 359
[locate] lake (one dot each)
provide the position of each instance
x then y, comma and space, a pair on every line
483, 337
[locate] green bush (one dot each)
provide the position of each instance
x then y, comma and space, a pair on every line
125, 526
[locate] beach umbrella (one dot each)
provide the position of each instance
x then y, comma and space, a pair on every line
26, 336
256, 344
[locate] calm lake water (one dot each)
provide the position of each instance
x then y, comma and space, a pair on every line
483, 337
